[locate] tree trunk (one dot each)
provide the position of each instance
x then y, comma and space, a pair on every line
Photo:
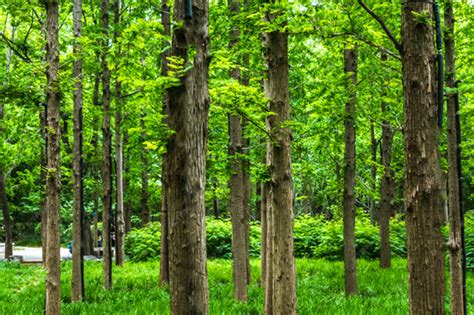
267, 242
215, 200
350, 264
120, 223
423, 186
236, 202
6, 214
280, 228
43, 161
53, 183
258, 201
373, 173
164, 249
78, 185
127, 206
145, 211
455, 244
7, 225
106, 153
386, 187
189, 107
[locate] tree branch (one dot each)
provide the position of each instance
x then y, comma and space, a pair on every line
397, 44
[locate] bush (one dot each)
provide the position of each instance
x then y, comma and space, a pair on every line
313, 237
469, 238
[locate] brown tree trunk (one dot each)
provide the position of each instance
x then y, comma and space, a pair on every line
88, 245
127, 206
106, 152
455, 243
164, 249
247, 186
373, 173
280, 228
423, 185
119, 214
267, 242
215, 200
386, 187
78, 193
236, 201
7, 225
6, 215
43, 161
349, 200
145, 211
53, 183
189, 107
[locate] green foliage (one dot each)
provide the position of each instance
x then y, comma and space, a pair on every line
143, 244
469, 237
313, 237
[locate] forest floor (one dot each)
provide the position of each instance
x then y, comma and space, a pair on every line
136, 289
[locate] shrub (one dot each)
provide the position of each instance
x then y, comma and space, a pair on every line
143, 244
469, 239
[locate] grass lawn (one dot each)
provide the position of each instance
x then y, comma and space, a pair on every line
136, 289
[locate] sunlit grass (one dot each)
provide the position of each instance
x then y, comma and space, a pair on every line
136, 289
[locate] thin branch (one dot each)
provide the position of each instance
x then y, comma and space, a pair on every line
11, 45
397, 44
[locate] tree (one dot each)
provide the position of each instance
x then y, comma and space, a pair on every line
349, 200
119, 215
3, 190
145, 211
281, 271
386, 188
164, 244
455, 244
423, 184
53, 260
78, 184
237, 190
189, 106
106, 152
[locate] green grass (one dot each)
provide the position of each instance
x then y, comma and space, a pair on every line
136, 289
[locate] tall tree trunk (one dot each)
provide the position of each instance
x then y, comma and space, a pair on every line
267, 235
280, 228
53, 183
164, 249
455, 244
78, 185
127, 206
120, 223
247, 194
43, 161
6, 216
189, 108
236, 202
106, 152
3, 189
386, 187
373, 172
423, 185
258, 201
350, 265
145, 211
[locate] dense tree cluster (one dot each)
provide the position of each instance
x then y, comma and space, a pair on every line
116, 113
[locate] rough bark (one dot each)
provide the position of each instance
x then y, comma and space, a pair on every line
215, 200
119, 214
189, 107
423, 185
106, 152
145, 211
236, 200
349, 200
280, 227
164, 249
53, 183
386, 187
43, 161
454, 182
77, 163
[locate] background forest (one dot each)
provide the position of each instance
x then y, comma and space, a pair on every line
138, 42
